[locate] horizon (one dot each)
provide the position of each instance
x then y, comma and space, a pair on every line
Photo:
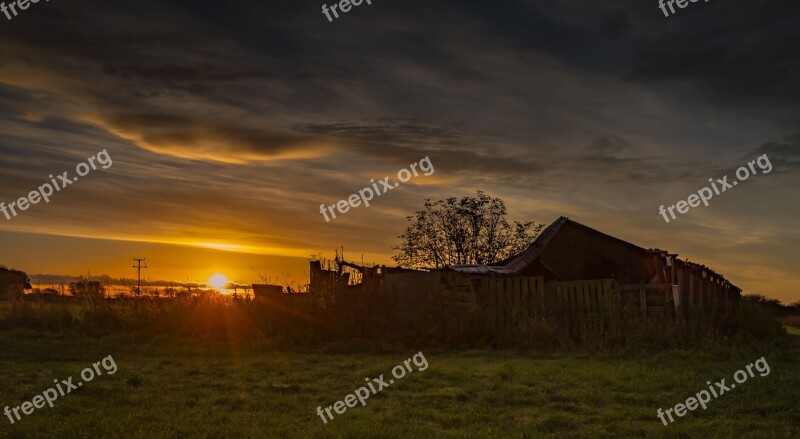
284, 277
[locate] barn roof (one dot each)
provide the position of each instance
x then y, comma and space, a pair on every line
480, 269
519, 262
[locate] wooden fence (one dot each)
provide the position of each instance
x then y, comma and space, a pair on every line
579, 308
575, 307
456, 305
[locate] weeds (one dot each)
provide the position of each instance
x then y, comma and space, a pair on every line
300, 321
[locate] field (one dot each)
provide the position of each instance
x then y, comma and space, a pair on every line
792, 330
165, 389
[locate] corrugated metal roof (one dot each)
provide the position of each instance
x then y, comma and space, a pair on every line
479, 269
517, 263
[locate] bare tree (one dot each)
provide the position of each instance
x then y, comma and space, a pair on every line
472, 230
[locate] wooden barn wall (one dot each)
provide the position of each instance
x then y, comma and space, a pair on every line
575, 253
583, 308
702, 292
672, 292
410, 294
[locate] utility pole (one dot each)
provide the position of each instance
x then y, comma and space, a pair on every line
138, 268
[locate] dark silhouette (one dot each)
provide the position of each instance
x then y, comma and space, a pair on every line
13, 283
472, 230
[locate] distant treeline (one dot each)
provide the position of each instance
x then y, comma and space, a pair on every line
55, 279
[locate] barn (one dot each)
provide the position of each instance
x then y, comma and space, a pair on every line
570, 251
577, 278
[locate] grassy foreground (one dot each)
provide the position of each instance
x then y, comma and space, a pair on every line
183, 391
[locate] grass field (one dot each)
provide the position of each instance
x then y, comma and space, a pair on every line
174, 390
792, 330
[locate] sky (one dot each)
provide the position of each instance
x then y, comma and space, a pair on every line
228, 124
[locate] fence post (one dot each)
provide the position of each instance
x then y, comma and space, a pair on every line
643, 303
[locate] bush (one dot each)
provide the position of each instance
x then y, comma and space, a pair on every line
753, 324
793, 321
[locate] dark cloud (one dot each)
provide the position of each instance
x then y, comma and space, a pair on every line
220, 140
609, 146
784, 154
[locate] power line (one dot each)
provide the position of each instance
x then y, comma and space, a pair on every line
138, 268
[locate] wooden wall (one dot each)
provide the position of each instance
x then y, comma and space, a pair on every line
494, 305
578, 308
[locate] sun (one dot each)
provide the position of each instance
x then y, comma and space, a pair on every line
218, 281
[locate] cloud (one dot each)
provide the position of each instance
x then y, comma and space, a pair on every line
784, 154
196, 138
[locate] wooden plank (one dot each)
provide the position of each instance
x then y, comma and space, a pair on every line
616, 297
582, 289
547, 303
643, 302
498, 293
682, 287
563, 315
592, 307
507, 288
668, 306
606, 305
499, 289
637, 287
612, 301
701, 294
713, 292
454, 298
586, 323
547, 299
491, 303
600, 298
570, 289
511, 304
530, 305
577, 308
509, 296
525, 296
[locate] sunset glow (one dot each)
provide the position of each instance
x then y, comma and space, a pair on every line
218, 281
